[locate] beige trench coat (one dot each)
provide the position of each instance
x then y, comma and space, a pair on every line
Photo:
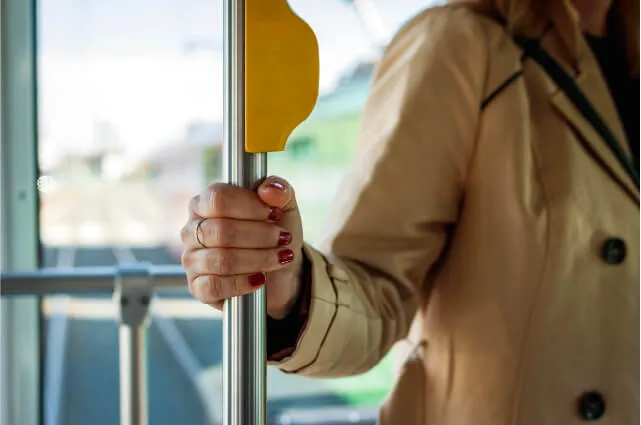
510, 235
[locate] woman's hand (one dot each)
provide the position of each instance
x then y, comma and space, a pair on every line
237, 240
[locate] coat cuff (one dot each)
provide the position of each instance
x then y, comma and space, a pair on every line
321, 315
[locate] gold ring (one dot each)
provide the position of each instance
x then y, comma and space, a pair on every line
197, 233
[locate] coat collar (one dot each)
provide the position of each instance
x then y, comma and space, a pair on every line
565, 41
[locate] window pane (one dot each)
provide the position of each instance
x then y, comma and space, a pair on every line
130, 109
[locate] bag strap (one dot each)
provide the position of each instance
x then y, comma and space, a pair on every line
505, 84
566, 83
512, 78
532, 49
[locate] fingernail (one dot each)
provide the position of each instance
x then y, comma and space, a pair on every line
257, 279
275, 214
285, 238
286, 256
277, 185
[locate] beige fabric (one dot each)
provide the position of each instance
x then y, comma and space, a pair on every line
488, 227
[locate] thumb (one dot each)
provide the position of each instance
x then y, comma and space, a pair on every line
277, 192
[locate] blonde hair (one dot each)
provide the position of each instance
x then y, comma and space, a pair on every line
527, 17
530, 17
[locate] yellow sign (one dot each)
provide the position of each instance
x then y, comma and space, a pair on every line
281, 74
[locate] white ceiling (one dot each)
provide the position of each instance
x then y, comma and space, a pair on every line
167, 27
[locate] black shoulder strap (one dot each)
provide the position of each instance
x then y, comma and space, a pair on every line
505, 84
533, 49
512, 78
509, 80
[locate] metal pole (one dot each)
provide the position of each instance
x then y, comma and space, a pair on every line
83, 280
133, 375
133, 295
244, 355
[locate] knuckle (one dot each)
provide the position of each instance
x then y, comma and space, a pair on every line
191, 285
193, 202
191, 205
185, 259
185, 232
237, 284
219, 198
223, 261
215, 288
223, 233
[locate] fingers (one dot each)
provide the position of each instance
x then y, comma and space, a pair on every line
215, 289
222, 200
233, 261
193, 207
236, 235
276, 192
228, 233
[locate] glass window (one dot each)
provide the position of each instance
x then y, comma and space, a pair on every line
130, 109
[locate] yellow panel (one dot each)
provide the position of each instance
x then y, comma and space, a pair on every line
281, 74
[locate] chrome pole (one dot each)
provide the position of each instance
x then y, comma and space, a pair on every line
132, 295
83, 280
244, 356
133, 375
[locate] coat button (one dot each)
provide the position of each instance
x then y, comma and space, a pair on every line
613, 251
591, 406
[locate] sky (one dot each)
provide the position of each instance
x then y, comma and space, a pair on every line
149, 67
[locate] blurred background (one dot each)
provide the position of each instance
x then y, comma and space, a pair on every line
130, 110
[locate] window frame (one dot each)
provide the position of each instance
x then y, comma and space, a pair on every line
20, 376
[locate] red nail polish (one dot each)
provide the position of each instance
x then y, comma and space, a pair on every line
257, 279
285, 238
286, 256
277, 185
275, 214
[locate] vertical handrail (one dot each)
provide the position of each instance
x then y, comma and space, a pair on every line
244, 356
20, 318
134, 398
132, 295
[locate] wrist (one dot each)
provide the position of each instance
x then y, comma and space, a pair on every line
283, 332
298, 279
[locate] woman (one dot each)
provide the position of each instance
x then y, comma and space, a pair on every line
484, 205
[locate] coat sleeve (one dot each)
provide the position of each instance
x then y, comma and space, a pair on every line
390, 221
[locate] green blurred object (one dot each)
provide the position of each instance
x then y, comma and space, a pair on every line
314, 162
328, 136
368, 389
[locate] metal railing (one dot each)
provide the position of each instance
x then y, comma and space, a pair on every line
86, 280
133, 287
244, 359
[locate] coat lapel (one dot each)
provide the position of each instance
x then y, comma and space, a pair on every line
567, 45
594, 143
